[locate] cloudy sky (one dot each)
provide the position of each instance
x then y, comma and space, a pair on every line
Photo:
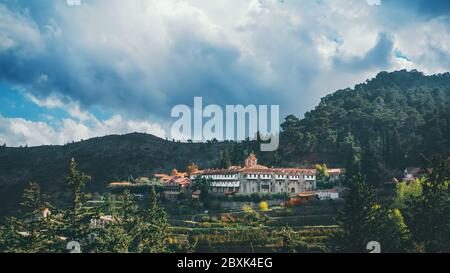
71, 72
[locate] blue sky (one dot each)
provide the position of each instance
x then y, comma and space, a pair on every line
113, 67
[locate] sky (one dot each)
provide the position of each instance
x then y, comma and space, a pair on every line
70, 72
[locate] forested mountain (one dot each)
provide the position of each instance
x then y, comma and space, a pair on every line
381, 127
384, 124
106, 159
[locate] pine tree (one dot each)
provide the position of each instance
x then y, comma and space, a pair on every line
363, 220
204, 185
134, 230
113, 238
32, 231
225, 159
118, 236
429, 214
75, 223
9, 238
352, 152
155, 227
355, 220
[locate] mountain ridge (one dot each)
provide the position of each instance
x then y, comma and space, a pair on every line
385, 124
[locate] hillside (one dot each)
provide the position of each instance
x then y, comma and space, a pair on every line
380, 127
105, 159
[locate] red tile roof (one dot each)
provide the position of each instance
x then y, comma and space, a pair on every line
261, 169
334, 171
120, 183
307, 194
182, 181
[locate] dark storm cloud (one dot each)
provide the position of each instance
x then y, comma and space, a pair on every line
143, 65
379, 56
193, 68
424, 8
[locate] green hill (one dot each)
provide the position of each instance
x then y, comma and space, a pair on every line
381, 126
106, 159
385, 124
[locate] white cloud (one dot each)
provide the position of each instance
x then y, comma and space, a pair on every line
49, 102
373, 2
427, 46
18, 31
20, 132
139, 58
81, 125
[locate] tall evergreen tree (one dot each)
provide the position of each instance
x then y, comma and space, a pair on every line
225, 159
155, 229
356, 218
32, 230
120, 236
429, 213
75, 221
204, 185
352, 151
134, 230
363, 219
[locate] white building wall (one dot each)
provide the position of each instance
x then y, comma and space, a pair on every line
246, 184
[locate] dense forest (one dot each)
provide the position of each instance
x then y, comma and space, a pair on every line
386, 124
417, 220
106, 159
380, 127
391, 122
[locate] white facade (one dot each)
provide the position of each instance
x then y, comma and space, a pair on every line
264, 183
254, 178
327, 195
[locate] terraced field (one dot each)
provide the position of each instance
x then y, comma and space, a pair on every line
229, 232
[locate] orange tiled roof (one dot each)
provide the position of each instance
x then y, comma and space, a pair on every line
307, 194
120, 184
281, 171
182, 181
261, 169
337, 171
